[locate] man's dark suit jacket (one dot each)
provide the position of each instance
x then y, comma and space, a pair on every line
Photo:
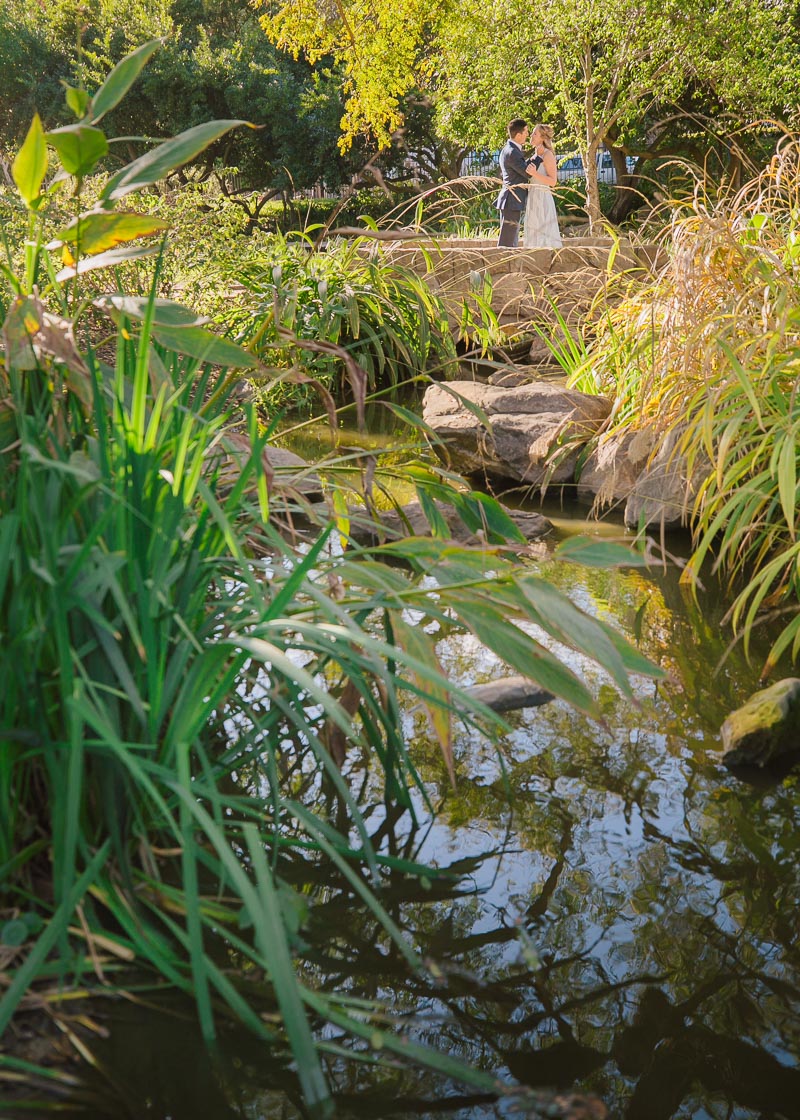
514, 192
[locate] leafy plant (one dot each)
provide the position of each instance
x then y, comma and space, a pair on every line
181, 683
382, 315
708, 355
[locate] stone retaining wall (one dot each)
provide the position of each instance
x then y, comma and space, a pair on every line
524, 281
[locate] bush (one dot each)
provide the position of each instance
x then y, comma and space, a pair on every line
709, 353
329, 309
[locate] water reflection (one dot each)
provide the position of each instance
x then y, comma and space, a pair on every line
661, 893
658, 895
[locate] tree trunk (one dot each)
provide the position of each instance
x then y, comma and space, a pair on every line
592, 189
627, 196
592, 146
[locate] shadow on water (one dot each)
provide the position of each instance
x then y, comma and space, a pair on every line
625, 918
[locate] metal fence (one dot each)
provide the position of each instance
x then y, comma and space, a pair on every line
570, 166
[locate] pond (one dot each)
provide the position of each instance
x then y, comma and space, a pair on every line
626, 920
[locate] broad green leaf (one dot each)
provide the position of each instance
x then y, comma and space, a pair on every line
96, 232
165, 312
105, 260
79, 146
121, 78
561, 618
160, 161
30, 164
434, 517
199, 343
490, 516
77, 100
522, 652
599, 554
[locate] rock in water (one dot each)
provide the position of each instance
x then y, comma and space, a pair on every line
767, 726
509, 694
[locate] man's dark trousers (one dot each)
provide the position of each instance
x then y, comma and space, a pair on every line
513, 194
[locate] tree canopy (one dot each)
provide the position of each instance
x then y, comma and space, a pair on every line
215, 63
602, 72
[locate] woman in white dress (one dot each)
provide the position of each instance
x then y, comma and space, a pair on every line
541, 223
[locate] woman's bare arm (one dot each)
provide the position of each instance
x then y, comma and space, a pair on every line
547, 172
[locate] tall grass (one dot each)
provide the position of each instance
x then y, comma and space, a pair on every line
181, 684
710, 352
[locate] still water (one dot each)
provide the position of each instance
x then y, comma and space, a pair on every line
658, 897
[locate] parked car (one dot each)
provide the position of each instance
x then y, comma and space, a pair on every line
571, 167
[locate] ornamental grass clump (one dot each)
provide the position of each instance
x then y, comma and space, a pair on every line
710, 353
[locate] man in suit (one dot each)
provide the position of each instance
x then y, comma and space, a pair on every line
515, 170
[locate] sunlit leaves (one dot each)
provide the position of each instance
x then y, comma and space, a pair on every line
105, 260
30, 164
164, 158
162, 312
381, 49
177, 328
79, 147
596, 553
96, 232
77, 100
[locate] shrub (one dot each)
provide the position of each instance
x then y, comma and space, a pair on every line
374, 313
710, 352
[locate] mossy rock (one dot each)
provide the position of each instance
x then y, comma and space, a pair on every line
767, 726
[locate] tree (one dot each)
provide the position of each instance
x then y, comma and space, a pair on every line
215, 63
596, 68
381, 47
605, 70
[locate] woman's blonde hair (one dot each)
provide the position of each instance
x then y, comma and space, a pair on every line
546, 132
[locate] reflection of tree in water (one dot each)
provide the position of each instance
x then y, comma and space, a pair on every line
661, 893
686, 1014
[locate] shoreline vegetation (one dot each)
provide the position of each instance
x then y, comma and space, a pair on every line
173, 664
189, 692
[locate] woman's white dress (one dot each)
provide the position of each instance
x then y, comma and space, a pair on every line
541, 224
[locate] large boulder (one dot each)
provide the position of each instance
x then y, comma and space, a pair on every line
524, 424
767, 726
662, 494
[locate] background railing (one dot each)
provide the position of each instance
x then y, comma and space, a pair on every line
570, 166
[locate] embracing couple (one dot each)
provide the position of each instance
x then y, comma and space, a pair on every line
526, 187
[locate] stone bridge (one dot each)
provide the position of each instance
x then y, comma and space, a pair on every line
526, 282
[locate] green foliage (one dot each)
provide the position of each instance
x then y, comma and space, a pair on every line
171, 663
347, 303
214, 63
708, 353
379, 49
603, 73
